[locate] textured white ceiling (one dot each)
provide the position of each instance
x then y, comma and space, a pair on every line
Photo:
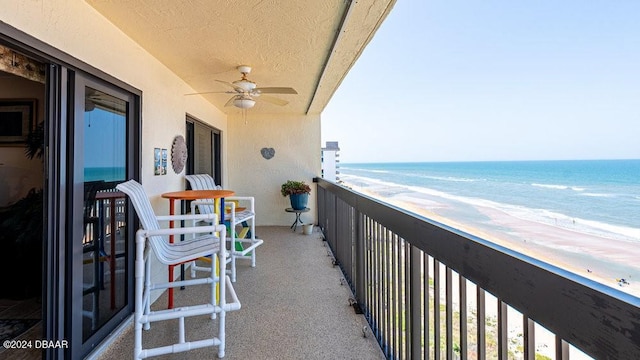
288, 43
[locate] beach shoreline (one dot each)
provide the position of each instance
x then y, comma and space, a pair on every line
540, 241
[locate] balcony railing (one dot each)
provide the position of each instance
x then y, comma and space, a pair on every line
431, 291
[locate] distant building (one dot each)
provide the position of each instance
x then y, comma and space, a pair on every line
330, 161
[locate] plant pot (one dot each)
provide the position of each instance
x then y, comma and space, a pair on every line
299, 201
307, 229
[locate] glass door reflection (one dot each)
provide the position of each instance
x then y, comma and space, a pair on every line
104, 250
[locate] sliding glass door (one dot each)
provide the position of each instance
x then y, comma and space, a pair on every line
100, 250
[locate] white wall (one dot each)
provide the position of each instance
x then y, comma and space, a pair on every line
296, 141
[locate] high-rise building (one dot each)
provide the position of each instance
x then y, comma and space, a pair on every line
330, 161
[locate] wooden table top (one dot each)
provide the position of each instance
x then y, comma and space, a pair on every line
197, 194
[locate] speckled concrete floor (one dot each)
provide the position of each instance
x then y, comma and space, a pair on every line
293, 307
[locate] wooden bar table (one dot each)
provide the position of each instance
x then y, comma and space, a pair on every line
193, 195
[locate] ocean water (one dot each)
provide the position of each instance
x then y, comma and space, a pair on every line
597, 197
104, 173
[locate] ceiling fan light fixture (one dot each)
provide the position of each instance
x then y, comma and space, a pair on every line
244, 103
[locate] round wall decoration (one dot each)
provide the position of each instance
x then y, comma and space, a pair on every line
178, 154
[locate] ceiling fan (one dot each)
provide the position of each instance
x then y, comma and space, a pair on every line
245, 92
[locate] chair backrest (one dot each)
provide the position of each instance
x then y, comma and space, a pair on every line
148, 219
203, 182
141, 203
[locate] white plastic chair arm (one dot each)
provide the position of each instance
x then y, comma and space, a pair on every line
251, 200
185, 230
188, 217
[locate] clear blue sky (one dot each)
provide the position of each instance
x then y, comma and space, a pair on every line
467, 80
104, 139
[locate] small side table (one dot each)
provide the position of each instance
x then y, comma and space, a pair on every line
294, 226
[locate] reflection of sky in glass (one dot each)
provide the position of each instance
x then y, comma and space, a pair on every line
104, 137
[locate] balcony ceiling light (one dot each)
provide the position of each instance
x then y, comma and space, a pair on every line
244, 102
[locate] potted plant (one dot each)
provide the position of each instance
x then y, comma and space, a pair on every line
298, 192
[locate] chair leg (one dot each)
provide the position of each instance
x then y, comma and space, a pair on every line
253, 239
147, 285
221, 334
232, 253
214, 282
193, 269
140, 270
222, 279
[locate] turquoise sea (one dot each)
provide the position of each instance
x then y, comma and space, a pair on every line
600, 197
104, 173
583, 216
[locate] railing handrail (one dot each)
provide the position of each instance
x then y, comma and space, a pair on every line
601, 321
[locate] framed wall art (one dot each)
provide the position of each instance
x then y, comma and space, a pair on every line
157, 161
17, 120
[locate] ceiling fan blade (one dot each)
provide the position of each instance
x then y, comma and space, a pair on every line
230, 102
273, 100
234, 86
275, 90
212, 92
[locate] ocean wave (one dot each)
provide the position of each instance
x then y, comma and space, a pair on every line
553, 218
633, 233
598, 195
366, 170
558, 187
369, 181
450, 178
551, 186
542, 216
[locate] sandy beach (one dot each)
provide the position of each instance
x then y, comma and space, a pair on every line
608, 261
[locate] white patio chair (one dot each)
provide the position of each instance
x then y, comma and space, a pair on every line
243, 243
205, 243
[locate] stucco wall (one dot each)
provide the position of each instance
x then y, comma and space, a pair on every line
296, 141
